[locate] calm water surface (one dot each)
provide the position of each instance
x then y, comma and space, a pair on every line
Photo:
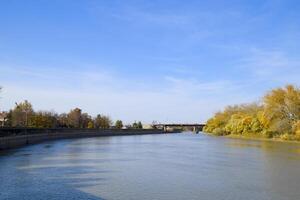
160, 167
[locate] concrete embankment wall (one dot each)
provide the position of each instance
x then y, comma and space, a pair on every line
13, 138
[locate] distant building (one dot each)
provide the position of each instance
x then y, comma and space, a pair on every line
147, 126
3, 118
127, 127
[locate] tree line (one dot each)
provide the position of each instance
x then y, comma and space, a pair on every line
23, 115
276, 116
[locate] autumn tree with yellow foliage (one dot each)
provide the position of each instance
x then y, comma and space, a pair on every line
278, 116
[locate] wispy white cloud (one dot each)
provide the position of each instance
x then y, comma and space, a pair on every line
168, 97
272, 65
177, 99
183, 84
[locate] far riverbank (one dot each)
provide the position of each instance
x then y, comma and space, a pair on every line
33, 136
249, 137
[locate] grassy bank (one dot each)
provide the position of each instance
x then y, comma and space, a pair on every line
257, 137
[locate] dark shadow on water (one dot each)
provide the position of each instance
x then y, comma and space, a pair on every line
48, 183
48, 146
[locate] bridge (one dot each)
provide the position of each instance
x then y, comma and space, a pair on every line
182, 127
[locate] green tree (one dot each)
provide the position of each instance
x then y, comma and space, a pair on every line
134, 125
44, 119
102, 121
140, 125
63, 120
21, 114
8, 122
137, 125
119, 124
85, 120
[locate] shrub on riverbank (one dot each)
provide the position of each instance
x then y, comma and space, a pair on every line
277, 116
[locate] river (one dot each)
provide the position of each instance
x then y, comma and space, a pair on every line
161, 167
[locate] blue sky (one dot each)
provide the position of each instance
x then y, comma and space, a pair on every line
169, 61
